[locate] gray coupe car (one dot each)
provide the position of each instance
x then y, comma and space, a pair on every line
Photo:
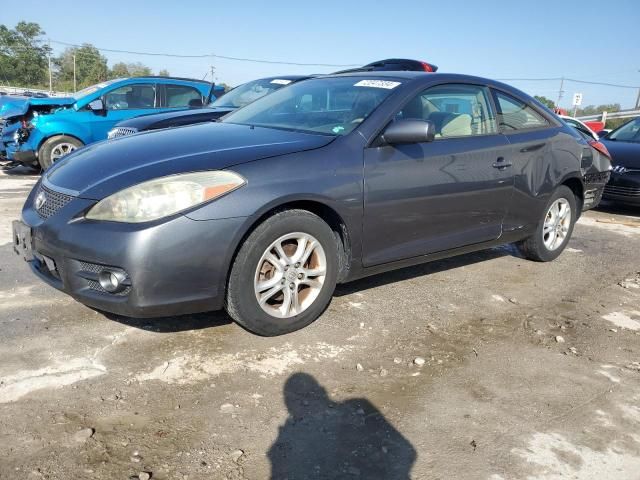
323, 182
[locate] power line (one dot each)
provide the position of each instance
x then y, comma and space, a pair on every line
209, 55
556, 79
277, 62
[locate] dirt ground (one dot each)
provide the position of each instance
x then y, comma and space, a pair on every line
485, 366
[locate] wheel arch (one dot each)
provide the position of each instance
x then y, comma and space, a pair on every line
576, 185
54, 135
328, 214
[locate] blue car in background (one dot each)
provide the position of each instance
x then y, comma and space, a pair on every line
39, 131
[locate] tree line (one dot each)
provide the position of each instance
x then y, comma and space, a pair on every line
589, 110
24, 62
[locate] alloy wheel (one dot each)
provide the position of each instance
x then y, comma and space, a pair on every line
61, 150
290, 275
557, 222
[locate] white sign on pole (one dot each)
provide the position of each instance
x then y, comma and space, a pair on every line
577, 99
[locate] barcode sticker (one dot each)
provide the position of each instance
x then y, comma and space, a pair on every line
377, 84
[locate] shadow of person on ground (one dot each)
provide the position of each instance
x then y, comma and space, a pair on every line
323, 439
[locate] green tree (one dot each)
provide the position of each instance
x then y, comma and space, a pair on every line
138, 70
119, 70
122, 70
595, 109
164, 73
23, 55
91, 66
545, 101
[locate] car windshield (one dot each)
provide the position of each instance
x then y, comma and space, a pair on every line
629, 132
93, 88
249, 92
329, 106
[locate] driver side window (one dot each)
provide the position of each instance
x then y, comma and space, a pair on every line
456, 110
131, 97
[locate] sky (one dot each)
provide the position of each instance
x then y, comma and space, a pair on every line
587, 40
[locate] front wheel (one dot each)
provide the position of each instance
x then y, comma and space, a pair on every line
284, 274
55, 148
554, 228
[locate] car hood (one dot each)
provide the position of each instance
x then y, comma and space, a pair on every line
101, 169
143, 122
10, 106
623, 153
21, 106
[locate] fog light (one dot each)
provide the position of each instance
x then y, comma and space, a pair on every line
112, 281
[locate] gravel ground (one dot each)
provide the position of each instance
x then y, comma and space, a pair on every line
484, 366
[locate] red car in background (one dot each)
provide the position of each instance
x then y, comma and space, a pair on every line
592, 124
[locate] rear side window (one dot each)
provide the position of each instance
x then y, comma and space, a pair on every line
515, 115
182, 96
131, 97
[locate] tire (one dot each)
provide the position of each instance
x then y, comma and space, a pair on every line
252, 271
52, 148
536, 247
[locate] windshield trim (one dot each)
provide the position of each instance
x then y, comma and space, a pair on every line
286, 129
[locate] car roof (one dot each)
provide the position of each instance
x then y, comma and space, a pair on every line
161, 77
427, 76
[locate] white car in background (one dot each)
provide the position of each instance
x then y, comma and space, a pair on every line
575, 123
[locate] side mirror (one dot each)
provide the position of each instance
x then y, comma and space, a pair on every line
603, 133
409, 131
96, 105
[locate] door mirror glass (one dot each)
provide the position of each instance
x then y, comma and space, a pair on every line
409, 131
96, 105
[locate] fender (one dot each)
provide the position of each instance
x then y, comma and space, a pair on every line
47, 128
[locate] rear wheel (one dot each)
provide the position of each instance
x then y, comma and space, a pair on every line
55, 148
554, 228
284, 274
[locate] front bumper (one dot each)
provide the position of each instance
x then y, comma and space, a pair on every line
175, 267
28, 157
624, 188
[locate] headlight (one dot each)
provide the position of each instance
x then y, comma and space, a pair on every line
164, 196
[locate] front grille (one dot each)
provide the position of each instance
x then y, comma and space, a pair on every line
600, 177
53, 201
622, 191
122, 132
91, 267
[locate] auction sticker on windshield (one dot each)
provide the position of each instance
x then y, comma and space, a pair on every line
279, 81
377, 84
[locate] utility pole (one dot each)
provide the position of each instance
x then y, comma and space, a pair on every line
213, 71
560, 92
75, 86
638, 99
50, 73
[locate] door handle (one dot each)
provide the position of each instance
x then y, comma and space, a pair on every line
500, 163
532, 148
